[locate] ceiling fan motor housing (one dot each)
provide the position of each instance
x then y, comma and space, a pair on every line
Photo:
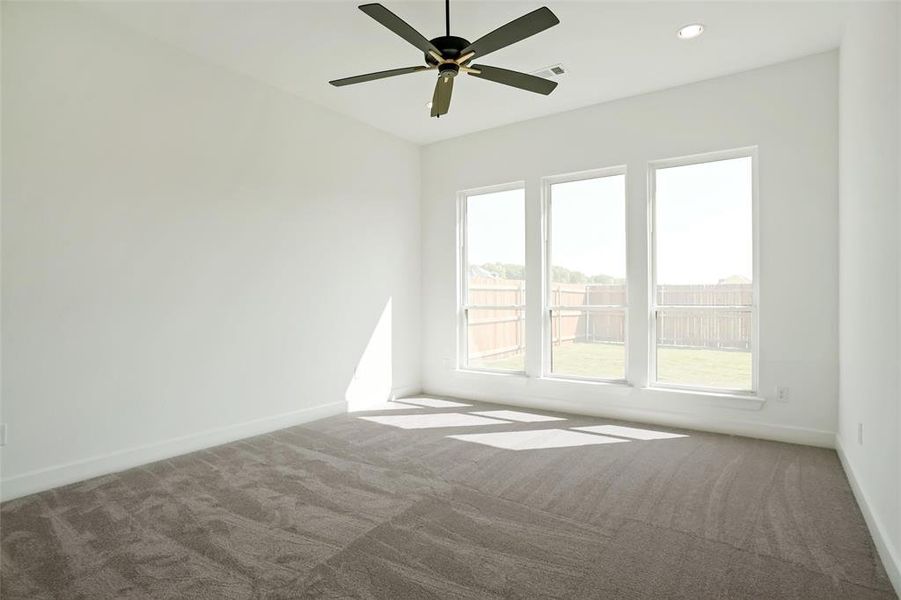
448, 70
450, 46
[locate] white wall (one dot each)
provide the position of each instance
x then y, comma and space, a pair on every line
869, 281
189, 256
790, 112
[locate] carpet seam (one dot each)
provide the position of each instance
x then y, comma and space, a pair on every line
575, 521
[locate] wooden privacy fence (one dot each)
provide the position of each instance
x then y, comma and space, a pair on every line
496, 331
715, 329
501, 331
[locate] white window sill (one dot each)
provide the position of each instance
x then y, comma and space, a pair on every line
750, 397
725, 399
586, 381
547, 378
517, 374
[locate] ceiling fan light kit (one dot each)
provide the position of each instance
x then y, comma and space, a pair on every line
451, 55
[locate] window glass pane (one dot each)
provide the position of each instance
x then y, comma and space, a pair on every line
705, 347
587, 252
588, 240
588, 343
704, 259
704, 247
496, 338
495, 247
495, 272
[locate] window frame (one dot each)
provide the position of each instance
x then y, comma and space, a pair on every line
547, 307
694, 159
463, 306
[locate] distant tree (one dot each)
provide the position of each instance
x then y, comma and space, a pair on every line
607, 279
564, 275
560, 274
506, 270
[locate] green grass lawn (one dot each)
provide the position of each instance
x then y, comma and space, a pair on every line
689, 366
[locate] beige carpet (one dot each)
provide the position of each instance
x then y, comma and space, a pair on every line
386, 504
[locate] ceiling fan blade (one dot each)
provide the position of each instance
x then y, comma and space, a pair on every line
442, 96
523, 81
518, 29
398, 26
377, 75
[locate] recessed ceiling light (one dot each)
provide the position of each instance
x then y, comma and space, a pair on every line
428, 105
689, 32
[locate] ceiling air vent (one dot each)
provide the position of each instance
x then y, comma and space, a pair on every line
551, 72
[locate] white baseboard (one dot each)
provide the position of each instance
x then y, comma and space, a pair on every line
753, 429
51, 477
891, 559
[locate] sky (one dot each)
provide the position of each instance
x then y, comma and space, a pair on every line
497, 228
703, 224
588, 226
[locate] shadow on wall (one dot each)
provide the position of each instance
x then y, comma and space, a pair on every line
371, 382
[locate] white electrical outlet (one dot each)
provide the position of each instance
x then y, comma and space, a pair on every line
783, 394
860, 433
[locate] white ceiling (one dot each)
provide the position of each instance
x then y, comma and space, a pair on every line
611, 50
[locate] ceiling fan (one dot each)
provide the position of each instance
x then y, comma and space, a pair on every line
451, 55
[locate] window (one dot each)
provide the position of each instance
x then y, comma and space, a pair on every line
585, 328
494, 288
703, 298
701, 277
